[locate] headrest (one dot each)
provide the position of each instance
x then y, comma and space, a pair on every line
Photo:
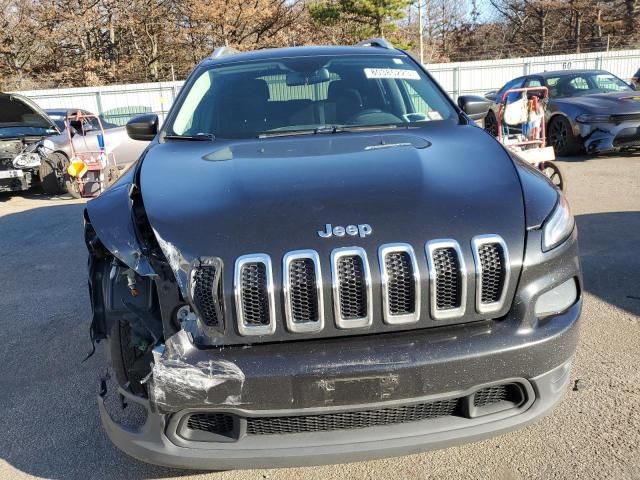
341, 88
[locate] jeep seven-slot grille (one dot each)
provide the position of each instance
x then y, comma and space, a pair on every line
401, 289
352, 287
206, 293
303, 288
493, 272
300, 293
254, 294
448, 281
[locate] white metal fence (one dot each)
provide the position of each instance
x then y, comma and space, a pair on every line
482, 76
117, 103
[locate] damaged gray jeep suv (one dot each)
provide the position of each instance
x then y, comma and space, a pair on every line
320, 258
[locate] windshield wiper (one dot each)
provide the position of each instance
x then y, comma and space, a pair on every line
199, 137
364, 128
307, 131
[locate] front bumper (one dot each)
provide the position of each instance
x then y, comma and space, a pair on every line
14, 180
610, 137
352, 374
304, 378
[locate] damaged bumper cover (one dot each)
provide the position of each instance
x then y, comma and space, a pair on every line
612, 135
317, 378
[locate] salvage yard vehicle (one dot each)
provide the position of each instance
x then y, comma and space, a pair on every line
26, 154
35, 149
320, 258
87, 127
589, 110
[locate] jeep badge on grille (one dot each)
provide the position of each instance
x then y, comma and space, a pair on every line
363, 229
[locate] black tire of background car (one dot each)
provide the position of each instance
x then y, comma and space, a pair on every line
491, 124
552, 172
51, 173
130, 365
561, 138
72, 186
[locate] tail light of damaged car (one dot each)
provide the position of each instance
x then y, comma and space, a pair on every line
346, 268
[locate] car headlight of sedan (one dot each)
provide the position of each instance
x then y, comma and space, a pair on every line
558, 226
27, 160
593, 118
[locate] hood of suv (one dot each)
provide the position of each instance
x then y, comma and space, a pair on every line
274, 195
18, 111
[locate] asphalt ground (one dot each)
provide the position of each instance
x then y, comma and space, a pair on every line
49, 425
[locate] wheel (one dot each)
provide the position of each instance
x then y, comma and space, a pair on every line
491, 124
72, 186
561, 137
552, 172
52, 173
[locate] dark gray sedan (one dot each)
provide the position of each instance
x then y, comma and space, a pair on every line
589, 110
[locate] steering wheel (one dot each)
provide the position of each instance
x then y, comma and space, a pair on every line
372, 116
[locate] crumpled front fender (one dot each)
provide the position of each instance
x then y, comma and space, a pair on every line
111, 216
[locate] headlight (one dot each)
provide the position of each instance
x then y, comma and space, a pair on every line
558, 226
27, 160
593, 118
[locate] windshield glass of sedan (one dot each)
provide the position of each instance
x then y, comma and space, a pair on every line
585, 84
247, 100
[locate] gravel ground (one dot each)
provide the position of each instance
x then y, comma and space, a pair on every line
49, 425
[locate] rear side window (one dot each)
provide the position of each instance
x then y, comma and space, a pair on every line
250, 99
512, 97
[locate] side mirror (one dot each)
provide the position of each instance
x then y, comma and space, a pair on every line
475, 107
143, 127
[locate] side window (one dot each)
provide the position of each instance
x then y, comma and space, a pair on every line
516, 83
91, 123
533, 82
552, 85
579, 83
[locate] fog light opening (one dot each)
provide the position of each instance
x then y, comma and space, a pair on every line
557, 300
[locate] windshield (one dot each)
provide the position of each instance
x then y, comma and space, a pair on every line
585, 84
58, 119
281, 96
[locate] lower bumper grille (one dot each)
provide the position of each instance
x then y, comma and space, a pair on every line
489, 398
627, 137
350, 420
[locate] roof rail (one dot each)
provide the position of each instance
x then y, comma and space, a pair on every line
375, 42
223, 52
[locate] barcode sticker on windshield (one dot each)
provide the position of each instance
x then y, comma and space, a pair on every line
391, 73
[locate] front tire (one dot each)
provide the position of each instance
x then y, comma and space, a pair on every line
51, 172
561, 137
491, 124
